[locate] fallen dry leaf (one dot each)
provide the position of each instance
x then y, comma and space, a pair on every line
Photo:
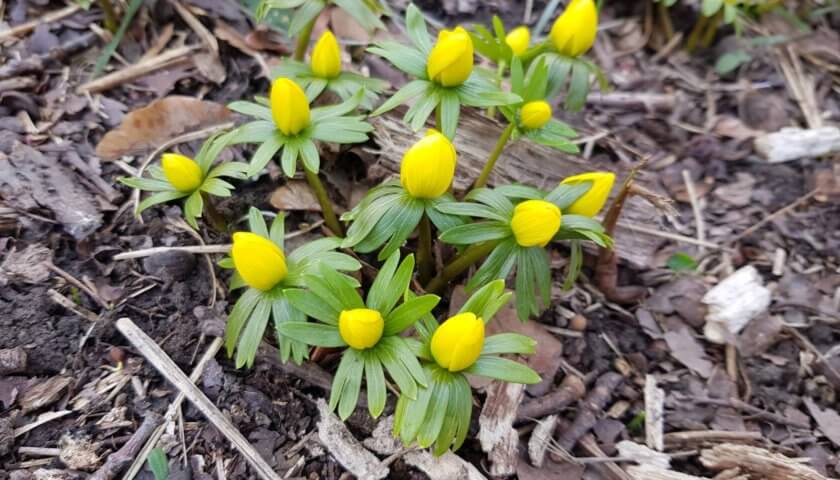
685, 348
294, 195
158, 122
828, 420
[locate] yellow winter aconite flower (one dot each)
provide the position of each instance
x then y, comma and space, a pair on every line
450, 62
258, 260
535, 114
326, 56
518, 40
592, 201
182, 172
574, 31
289, 106
535, 222
360, 327
428, 166
457, 343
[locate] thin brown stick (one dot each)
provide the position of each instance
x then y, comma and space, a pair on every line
118, 460
27, 27
138, 69
778, 213
158, 358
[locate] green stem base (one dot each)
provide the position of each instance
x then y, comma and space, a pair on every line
330, 219
303, 40
457, 266
494, 156
425, 259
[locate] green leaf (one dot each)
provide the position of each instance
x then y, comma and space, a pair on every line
681, 262
476, 233
333, 111
315, 334
217, 187
517, 77
311, 157
580, 222
229, 169
277, 233
475, 210
252, 109
407, 92
344, 130
503, 369
578, 87
304, 14
415, 415
238, 316
536, 82
314, 87
109, 49
508, 343
335, 288
575, 264
256, 222
450, 109
492, 199
158, 464
147, 184
566, 194
497, 265
350, 392
517, 192
461, 400
310, 304
405, 58
415, 25
526, 298
283, 312
442, 221
368, 215
405, 220
730, 61
253, 132
408, 313
360, 12
375, 380
288, 160
160, 197
435, 413
417, 114
246, 349
193, 208
711, 7
485, 302
265, 153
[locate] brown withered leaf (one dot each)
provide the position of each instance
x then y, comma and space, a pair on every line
158, 122
828, 420
294, 195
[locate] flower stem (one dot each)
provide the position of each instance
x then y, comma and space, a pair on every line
327, 210
438, 121
712, 29
696, 33
110, 20
462, 262
494, 155
665, 21
500, 73
303, 40
425, 260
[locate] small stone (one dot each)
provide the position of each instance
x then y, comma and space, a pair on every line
171, 266
578, 323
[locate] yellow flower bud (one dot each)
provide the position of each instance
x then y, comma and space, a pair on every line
457, 343
428, 166
258, 260
361, 327
289, 106
518, 40
592, 201
450, 62
182, 172
535, 114
535, 222
574, 31
326, 56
